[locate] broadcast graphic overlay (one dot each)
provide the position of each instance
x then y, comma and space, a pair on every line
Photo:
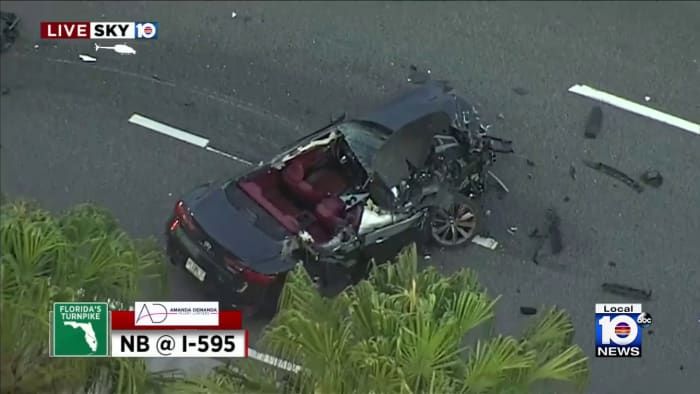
178, 329
618, 329
79, 329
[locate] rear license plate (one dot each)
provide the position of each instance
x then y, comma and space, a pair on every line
195, 270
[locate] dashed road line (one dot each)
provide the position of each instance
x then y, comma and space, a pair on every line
169, 131
633, 107
183, 136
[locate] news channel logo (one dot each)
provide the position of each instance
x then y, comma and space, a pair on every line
618, 329
146, 30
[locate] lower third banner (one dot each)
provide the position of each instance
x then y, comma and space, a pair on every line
129, 340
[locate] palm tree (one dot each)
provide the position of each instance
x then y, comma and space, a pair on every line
408, 331
80, 255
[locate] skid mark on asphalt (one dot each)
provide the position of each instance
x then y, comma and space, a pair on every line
233, 101
183, 136
635, 108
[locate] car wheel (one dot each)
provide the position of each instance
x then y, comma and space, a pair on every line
456, 223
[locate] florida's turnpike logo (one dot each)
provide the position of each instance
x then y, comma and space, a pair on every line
618, 329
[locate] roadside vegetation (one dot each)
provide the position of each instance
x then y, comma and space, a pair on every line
403, 330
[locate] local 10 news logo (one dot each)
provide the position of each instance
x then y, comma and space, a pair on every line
618, 329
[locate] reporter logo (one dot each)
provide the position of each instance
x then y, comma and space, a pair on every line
146, 30
619, 329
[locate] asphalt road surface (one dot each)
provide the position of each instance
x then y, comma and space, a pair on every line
277, 70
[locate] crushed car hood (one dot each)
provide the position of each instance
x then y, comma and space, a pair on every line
239, 229
431, 97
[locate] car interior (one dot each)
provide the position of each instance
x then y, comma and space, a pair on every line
305, 193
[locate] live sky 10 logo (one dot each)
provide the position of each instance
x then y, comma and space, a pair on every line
618, 329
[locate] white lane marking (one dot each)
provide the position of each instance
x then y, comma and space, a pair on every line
230, 156
274, 361
633, 107
182, 136
169, 131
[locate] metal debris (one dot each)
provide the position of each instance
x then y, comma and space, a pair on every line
488, 243
594, 123
652, 178
512, 230
500, 116
416, 76
233, 15
499, 181
554, 231
36, 46
572, 172
530, 162
520, 91
87, 59
528, 310
615, 173
8, 33
626, 291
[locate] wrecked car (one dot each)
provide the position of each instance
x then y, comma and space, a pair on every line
353, 191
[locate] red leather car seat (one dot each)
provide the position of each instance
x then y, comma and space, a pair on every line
293, 177
330, 213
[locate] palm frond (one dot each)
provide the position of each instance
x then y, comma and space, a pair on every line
490, 364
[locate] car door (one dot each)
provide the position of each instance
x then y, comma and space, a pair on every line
384, 243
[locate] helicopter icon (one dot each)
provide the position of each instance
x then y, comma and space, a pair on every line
121, 49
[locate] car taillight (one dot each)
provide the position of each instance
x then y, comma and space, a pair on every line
174, 224
256, 277
184, 217
235, 266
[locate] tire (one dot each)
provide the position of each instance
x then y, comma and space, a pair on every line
456, 223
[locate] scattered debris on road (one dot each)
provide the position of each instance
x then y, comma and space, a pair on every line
530, 162
500, 116
512, 230
572, 171
567, 199
499, 181
427, 257
652, 178
594, 123
528, 310
87, 59
520, 91
488, 243
615, 173
8, 33
233, 15
612, 264
36, 46
627, 291
647, 98
418, 77
554, 231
